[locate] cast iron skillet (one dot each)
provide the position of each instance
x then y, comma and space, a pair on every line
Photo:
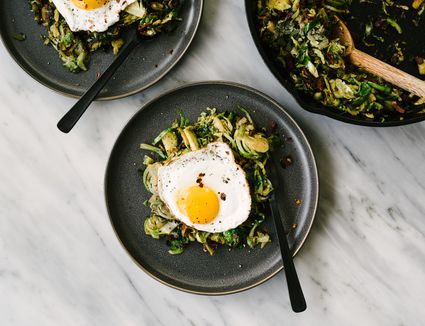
194, 270
355, 21
144, 67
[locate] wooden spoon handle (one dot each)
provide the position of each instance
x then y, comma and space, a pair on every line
389, 73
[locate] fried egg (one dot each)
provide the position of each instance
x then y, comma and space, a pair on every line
206, 189
91, 15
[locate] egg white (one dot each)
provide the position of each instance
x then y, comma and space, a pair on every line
96, 20
222, 175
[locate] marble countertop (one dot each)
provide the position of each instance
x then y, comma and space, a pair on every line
61, 264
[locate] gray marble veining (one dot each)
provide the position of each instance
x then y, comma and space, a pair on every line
60, 263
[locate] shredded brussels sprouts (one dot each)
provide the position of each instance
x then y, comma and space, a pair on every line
74, 48
251, 148
299, 35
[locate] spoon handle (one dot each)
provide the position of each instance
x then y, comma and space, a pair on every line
389, 73
296, 295
74, 114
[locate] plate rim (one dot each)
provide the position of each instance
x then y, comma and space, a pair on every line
320, 109
314, 169
31, 73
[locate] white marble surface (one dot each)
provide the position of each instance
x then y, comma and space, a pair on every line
60, 263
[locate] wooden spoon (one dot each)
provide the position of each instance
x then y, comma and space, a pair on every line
377, 67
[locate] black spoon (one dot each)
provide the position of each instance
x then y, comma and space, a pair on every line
294, 287
74, 114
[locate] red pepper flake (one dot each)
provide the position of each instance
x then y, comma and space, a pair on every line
286, 161
419, 60
320, 84
397, 107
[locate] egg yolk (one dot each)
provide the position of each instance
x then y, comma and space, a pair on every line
89, 4
200, 204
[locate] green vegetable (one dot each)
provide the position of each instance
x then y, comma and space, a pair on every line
421, 68
137, 9
153, 225
150, 177
183, 121
161, 135
116, 45
417, 3
158, 207
170, 142
20, 37
74, 48
177, 242
250, 147
383, 88
279, 4
153, 149
257, 237
148, 160
190, 137
394, 24
232, 237
201, 236
262, 185
305, 48
368, 29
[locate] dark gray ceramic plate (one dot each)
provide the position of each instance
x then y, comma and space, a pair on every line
194, 270
145, 66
